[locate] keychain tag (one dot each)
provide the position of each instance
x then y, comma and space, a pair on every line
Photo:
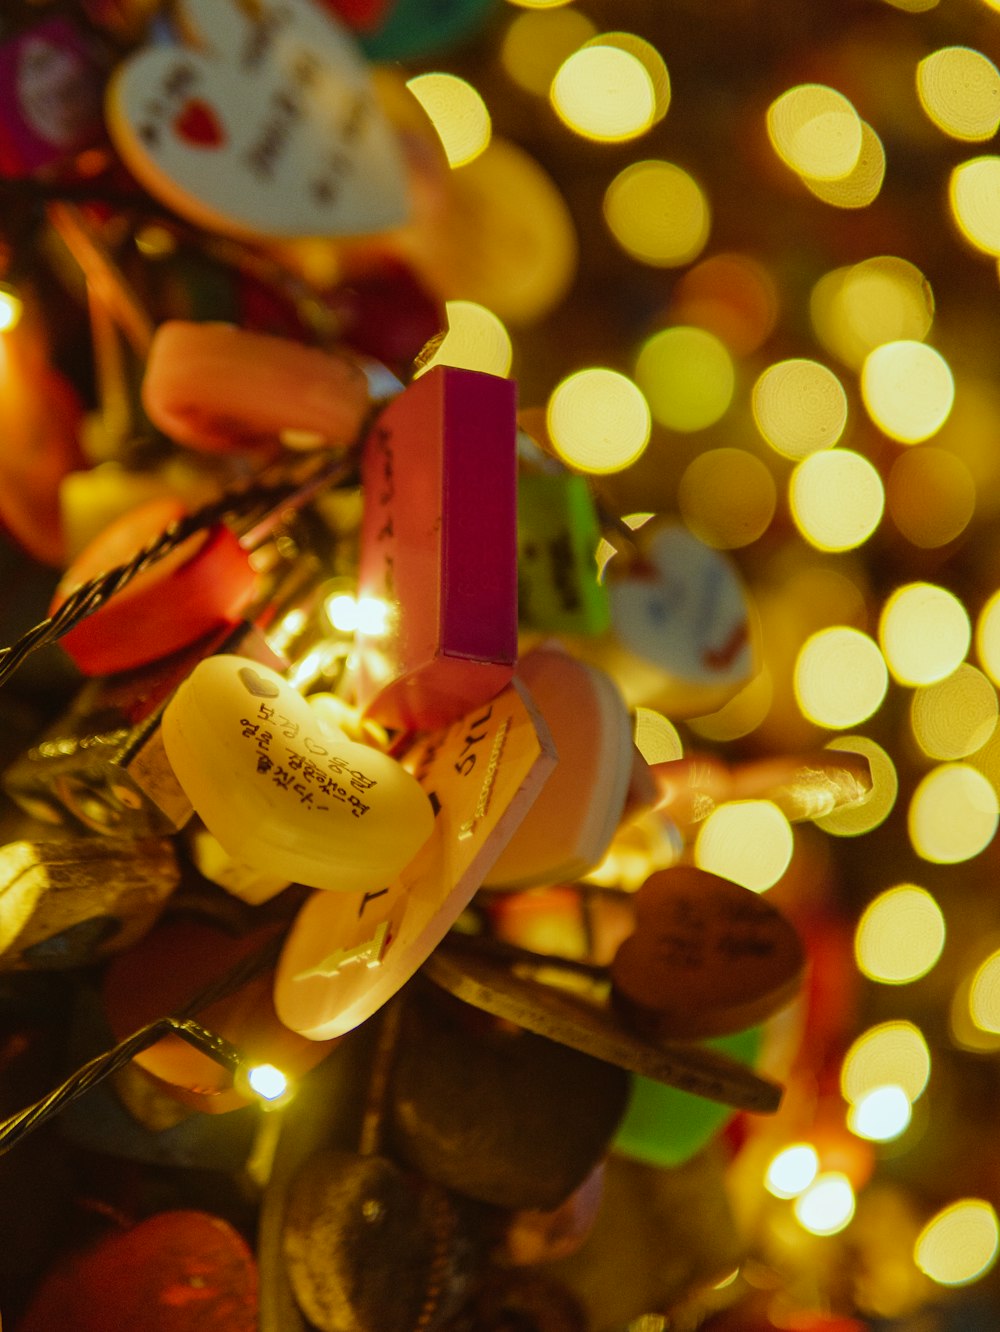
438, 550
266, 126
557, 535
346, 956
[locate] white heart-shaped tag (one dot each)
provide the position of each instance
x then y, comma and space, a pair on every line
268, 127
283, 792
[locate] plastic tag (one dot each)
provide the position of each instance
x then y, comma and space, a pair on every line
438, 550
346, 956
267, 127
557, 535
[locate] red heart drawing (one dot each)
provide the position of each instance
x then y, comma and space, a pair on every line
197, 123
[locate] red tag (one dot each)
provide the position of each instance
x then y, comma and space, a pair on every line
439, 550
181, 1271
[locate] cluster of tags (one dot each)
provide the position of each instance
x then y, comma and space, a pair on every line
366, 715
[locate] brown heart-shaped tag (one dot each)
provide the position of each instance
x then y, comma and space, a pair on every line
708, 957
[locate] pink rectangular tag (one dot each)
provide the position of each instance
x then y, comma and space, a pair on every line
439, 549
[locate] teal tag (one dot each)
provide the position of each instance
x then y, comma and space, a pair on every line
666, 1127
417, 28
557, 536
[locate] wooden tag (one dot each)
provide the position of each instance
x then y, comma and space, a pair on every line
265, 126
438, 550
496, 986
708, 957
348, 954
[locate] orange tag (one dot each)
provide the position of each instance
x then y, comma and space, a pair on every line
348, 953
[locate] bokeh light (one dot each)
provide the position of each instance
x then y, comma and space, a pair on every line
457, 112
959, 1244
930, 495
925, 632
959, 89
953, 814
984, 994
658, 213
861, 186
731, 295
900, 935
882, 1114
863, 818
891, 1054
748, 841
727, 497
800, 407
988, 637
792, 1170
656, 737
11, 308
538, 41
908, 390
650, 59
815, 131
955, 717
861, 307
840, 677
687, 376
974, 193
476, 340
837, 499
827, 1206
598, 420
604, 93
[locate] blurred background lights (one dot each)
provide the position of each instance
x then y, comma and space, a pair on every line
892, 1054
900, 935
687, 376
598, 420
956, 716
540, 4
792, 1170
727, 497
476, 340
861, 186
984, 994
267, 1081
658, 213
11, 308
649, 58
800, 407
930, 495
836, 498
959, 89
840, 677
988, 637
860, 307
908, 390
974, 194
730, 295
604, 93
538, 41
748, 841
656, 737
863, 818
881, 1115
953, 814
959, 1244
827, 1206
815, 131
743, 713
457, 112
925, 632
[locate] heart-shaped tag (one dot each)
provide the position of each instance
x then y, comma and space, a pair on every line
266, 126
280, 790
344, 958
708, 957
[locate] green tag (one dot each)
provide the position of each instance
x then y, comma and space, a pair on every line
418, 28
664, 1126
557, 536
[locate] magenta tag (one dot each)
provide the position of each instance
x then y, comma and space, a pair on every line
51, 86
438, 566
